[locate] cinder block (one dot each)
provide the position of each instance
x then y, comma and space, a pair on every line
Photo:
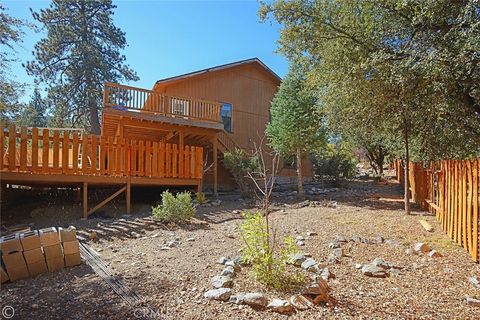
39, 267
30, 240
72, 259
53, 252
71, 247
15, 266
49, 236
68, 234
55, 264
20, 272
32, 256
3, 276
10, 243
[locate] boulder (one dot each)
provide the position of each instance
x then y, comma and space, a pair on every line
372, 270
300, 243
234, 265
340, 239
256, 300
280, 306
223, 260
380, 263
222, 282
222, 294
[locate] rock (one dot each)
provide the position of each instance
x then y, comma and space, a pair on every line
379, 239
332, 259
34, 306
300, 302
311, 234
228, 271
222, 282
190, 239
223, 260
421, 247
434, 254
356, 239
473, 302
296, 259
300, 243
236, 211
93, 235
318, 292
392, 242
165, 248
333, 245
256, 300
237, 298
338, 253
300, 238
280, 306
340, 239
216, 203
409, 252
395, 272
358, 266
308, 263
474, 281
171, 244
372, 270
234, 265
326, 274
222, 294
367, 241
380, 263
135, 235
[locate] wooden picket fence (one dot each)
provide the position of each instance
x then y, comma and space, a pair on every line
450, 189
71, 152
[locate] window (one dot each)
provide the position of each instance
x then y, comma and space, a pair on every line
226, 114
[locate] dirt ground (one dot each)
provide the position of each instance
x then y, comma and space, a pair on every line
172, 281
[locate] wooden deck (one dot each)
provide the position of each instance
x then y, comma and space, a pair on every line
69, 157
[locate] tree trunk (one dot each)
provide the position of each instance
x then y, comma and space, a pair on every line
301, 192
94, 120
406, 171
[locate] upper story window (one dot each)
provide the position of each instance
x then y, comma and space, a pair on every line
226, 114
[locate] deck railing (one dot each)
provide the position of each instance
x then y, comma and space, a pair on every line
126, 98
54, 151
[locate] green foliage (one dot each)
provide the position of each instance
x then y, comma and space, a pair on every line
295, 122
175, 209
394, 69
35, 113
240, 164
336, 161
200, 197
80, 52
268, 262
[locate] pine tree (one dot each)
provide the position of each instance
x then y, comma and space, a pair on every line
35, 113
80, 53
295, 125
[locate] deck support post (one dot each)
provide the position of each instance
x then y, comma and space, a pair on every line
128, 195
215, 166
85, 200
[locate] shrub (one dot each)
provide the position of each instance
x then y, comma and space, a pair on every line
174, 208
269, 265
335, 162
240, 164
200, 197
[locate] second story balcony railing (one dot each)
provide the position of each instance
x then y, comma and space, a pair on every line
126, 98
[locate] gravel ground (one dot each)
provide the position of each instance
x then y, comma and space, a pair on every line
173, 281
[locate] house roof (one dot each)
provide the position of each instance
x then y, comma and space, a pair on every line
222, 67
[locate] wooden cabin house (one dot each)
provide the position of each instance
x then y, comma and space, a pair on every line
219, 108
167, 136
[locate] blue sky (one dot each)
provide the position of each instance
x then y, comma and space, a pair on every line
168, 38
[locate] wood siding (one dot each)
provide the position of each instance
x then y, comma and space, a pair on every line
249, 88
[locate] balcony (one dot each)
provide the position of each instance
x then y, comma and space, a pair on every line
146, 104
